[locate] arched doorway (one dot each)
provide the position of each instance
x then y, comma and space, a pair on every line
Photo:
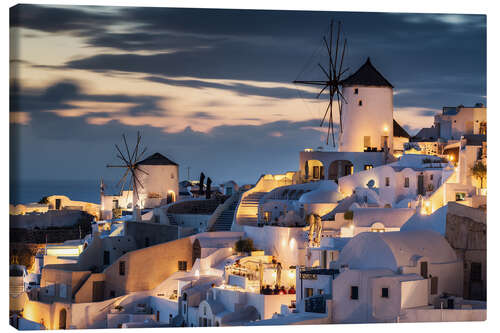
377, 227
313, 170
339, 169
196, 250
62, 319
170, 197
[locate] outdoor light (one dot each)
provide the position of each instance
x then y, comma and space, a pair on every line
386, 129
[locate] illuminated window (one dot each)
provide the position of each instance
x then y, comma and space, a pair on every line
308, 292
367, 142
267, 216
482, 128
459, 196
316, 172
368, 166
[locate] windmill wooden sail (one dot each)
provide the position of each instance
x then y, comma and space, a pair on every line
334, 75
132, 167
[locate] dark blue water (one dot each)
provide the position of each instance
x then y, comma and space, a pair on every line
27, 191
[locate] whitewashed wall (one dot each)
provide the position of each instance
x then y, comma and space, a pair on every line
287, 244
370, 119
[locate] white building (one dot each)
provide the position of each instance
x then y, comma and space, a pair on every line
368, 126
367, 117
399, 182
160, 186
229, 187
384, 275
461, 120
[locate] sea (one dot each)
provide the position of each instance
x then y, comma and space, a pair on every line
26, 191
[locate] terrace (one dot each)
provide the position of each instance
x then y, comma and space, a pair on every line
259, 273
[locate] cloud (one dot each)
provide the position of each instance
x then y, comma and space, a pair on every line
204, 115
432, 60
237, 87
68, 96
252, 149
71, 20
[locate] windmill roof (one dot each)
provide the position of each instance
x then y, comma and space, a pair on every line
157, 159
367, 75
399, 131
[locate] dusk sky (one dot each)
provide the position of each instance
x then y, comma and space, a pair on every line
212, 89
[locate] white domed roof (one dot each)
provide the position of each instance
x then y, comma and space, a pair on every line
436, 221
327, 192
373, 250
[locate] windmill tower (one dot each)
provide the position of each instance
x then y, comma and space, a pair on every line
132, 169
368, 114
364, 101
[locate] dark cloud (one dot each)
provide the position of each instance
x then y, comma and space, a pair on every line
152, 41
68, 20
434, 60
437, 57
239, 88
248, 150
59, 95
204, 115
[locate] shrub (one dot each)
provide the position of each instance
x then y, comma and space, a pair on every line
244, 245
44, 201
117, 213
349, 215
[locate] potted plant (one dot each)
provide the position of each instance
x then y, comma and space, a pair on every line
117, 309
244, 246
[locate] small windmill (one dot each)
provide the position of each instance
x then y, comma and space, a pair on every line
334, 76
132, 168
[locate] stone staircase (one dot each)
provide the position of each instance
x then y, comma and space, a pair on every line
225, 219
249, 208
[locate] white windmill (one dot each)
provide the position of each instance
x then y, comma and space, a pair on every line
132, 168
